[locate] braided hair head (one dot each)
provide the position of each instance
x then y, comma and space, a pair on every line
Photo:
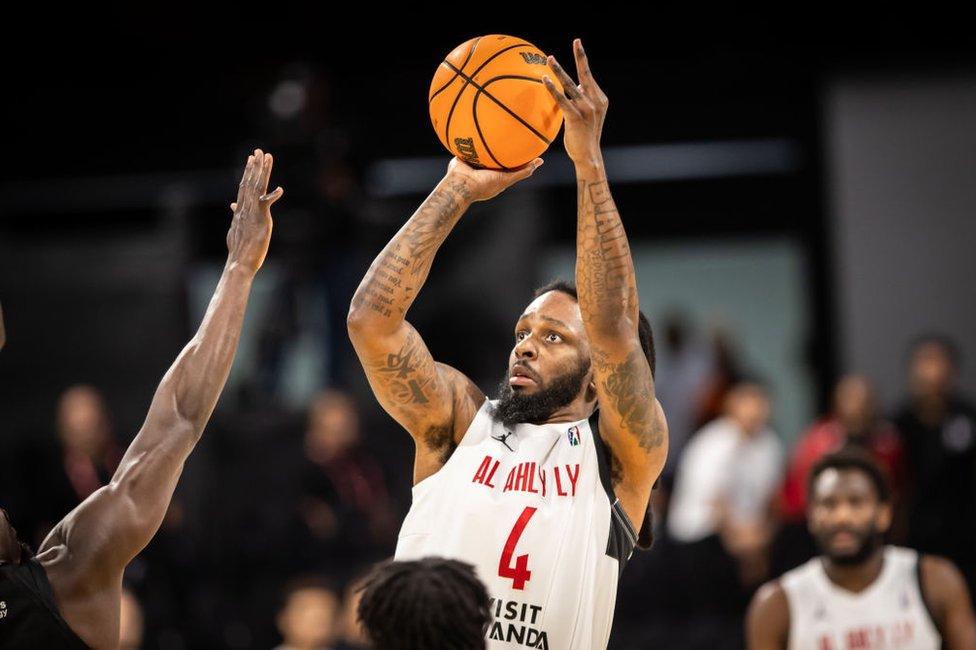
424, 604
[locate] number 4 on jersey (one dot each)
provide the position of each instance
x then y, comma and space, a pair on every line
519, 573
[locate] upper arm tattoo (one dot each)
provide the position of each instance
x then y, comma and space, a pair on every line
629, 387
408, 376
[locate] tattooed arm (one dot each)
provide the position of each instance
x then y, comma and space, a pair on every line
432, 401
631, 420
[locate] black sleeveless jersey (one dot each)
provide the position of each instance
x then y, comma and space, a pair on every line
29, 616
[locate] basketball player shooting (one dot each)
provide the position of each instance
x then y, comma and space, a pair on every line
537, 488
68, 595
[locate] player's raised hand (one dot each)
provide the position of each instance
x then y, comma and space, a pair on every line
487, 183
584, 107
250, 230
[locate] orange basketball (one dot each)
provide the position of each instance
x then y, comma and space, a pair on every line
488, 104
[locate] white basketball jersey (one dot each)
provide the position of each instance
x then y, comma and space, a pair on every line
528, 508
889, 614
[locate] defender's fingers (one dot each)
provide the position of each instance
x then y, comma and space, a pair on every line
265, 173
244, 179
258, 171
233, 206
269, 199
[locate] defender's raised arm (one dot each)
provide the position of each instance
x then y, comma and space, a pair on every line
88, 550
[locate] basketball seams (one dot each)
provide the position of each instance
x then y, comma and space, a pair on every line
466, 61
481, 89
469, 80
507, 109
477, 126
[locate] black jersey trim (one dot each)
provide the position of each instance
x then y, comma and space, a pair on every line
622, 538
38, 587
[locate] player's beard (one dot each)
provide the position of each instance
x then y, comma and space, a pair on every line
870, 540
516, 406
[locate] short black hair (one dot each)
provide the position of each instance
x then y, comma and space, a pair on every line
851, 459
424, 604
643, 325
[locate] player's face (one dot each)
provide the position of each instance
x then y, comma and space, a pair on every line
549, 367
550, 342
846, 517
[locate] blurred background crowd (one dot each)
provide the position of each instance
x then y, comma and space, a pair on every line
802, 227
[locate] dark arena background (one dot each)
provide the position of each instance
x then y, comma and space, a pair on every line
799, 197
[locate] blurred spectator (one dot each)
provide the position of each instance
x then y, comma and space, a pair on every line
352, 634
684, 365
307, 620
726, 480
89, 454
853, 422
131, 622
345, 505
725, 373
61, 477
939, 429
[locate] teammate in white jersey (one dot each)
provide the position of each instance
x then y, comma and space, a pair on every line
860, 594
538, 488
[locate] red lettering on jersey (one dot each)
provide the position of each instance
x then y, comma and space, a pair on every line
531, 485
857, 640
491, 474
509, 482
573, 477
902, 633
482, 474
522, 477
559, 483
542, 479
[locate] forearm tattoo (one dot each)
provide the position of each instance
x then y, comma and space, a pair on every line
604, 269
392, 282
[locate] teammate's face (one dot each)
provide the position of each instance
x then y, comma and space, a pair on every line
846, 517
549, 366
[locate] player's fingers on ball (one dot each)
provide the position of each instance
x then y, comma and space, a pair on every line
582, 64
528, 169
559, 96
569, 86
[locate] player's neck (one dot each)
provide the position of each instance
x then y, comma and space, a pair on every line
575, 411
856, 577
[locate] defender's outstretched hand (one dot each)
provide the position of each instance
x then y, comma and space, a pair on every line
488, 183
584, 107
250, 231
